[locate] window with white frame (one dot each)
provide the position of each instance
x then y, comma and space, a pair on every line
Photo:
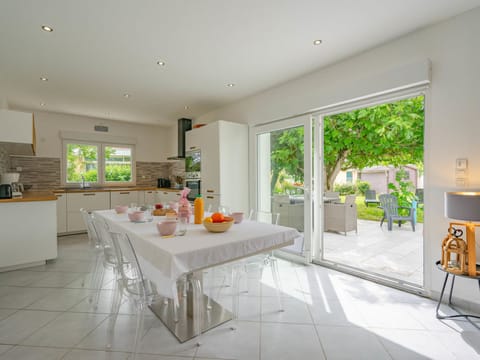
98, 163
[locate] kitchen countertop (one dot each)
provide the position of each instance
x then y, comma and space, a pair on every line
28, 196
107, 189
48, 195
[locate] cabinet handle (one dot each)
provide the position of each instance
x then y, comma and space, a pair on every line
89, 194
125, 193
178, 194
210, 197
149, 192
192, 147
210, 191
59, 196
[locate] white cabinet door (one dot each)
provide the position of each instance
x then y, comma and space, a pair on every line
165, 197
17, 127
124, 198
85, 200
211, 202
147, 197
61, 213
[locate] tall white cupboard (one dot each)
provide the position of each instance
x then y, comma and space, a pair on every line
224, 163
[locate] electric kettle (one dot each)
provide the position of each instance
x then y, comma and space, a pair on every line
5, 191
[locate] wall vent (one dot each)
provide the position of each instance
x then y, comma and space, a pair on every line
101, 128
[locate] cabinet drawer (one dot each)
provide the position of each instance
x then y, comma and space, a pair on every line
123, 198
88, 200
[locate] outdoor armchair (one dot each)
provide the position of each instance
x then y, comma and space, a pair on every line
391, 213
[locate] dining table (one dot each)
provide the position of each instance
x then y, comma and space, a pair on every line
168, 260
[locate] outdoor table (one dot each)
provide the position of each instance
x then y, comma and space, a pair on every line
164, 260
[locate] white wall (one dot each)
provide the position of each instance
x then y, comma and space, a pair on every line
452, 125
153, 143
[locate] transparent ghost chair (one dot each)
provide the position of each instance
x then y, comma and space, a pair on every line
134, 285
242, 268
102, 252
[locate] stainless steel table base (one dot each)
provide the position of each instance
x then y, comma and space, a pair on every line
183, 329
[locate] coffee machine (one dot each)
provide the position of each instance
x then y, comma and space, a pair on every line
12, 180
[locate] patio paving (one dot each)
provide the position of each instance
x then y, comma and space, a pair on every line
397, 254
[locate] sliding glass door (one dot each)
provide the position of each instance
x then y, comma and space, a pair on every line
282, 174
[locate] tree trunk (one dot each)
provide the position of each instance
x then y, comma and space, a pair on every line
332, 172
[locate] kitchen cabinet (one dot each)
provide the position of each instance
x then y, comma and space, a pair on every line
147, 197
164, 196
28, 235
124, 197
18, 132
224, 163
97, 200
61, 213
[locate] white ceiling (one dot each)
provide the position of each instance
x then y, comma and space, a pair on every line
102, 49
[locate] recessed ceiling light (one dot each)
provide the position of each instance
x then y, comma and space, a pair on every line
186, 107
231, 85
126, 96
161, 63
47, 28
42, 104
317, 42
43, 78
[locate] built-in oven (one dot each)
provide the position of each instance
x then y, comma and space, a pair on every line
194, 186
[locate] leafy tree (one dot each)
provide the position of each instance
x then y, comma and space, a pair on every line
386, 134
287, 155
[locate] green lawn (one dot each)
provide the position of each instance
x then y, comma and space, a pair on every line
372, 212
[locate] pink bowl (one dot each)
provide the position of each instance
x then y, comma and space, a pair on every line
237, 217
167, 227
136, 216
121, 209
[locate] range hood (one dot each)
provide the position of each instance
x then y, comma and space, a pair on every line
183, 126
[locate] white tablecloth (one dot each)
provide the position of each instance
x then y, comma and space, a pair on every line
165, 259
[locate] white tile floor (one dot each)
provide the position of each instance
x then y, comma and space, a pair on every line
44, 314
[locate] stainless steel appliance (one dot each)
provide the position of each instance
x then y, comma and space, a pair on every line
194, 186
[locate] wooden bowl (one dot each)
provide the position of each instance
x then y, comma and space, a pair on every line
219, 227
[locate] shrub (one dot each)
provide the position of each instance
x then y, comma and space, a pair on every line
345, 189
362, 187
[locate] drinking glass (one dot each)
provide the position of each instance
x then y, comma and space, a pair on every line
182, 226
225, 210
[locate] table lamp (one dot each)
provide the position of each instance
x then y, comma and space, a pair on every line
465, 206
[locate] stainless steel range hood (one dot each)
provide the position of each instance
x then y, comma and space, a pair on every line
183, 126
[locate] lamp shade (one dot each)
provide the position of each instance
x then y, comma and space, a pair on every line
462, 205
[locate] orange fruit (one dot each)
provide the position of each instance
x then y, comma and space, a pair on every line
208, 219
218, 217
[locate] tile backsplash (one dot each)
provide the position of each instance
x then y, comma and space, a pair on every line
44, 173
41, 172
4, 159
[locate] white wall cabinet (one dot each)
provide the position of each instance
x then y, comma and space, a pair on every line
61, 213
18, 132
224, 163
125, 197
87, 200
